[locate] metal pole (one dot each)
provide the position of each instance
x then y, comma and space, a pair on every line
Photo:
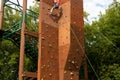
1, 13
1, 17
39, 44
22, 44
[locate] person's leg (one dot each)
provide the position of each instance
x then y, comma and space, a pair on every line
51, 10
56, 6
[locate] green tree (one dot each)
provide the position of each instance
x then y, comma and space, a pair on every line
102, 43
9, 52
9, 59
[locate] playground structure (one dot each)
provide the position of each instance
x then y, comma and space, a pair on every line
59, 45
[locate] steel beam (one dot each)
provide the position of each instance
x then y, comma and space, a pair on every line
61, 45
30, 74
31, 33
22, 42
1, 13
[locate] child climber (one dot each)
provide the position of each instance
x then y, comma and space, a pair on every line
56, 6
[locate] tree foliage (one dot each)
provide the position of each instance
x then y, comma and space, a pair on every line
102, 43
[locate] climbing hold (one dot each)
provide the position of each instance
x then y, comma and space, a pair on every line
47, 26
50, 45
48, 61
44, 76
69, 60
48, 51
77, 50
65, 72
66, 37
44, 65
42, 47
53, 65
53, 77
48, 8
42, 33
71, 73
73, 62
79, 29
71, 78
49, 35
50, 74
48, 66
74, 22
69, 68
77, 67
42, 38
51, 57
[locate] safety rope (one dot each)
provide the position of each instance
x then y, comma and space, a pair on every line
109, 40
83, 52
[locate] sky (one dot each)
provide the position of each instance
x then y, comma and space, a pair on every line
93, 7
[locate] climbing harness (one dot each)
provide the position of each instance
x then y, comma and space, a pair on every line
56, 6
56, 15
56, 11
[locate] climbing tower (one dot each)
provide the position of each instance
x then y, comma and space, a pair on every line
61, 43
61, 49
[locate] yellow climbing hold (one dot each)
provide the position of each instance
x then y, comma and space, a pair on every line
65, 72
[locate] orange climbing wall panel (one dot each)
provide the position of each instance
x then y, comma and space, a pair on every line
61, 44
48, 46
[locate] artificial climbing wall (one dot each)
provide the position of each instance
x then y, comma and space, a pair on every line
48, 45
61, 41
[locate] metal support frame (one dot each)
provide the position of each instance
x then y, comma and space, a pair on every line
22, 42
1, 16
1, 13
24, 32
19, 8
